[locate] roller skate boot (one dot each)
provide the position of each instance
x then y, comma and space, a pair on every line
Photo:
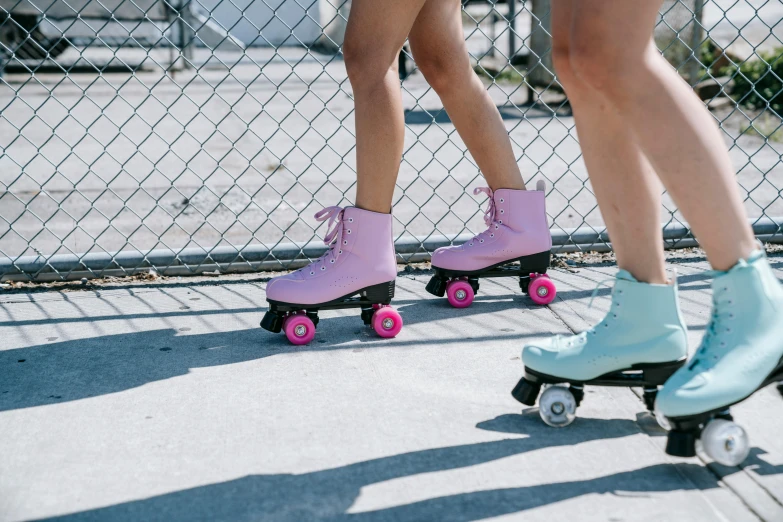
741, 352
641, 342
517, 243
358, 271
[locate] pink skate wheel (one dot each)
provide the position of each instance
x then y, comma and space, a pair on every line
386, 322
459, 293
299, 329
542, 290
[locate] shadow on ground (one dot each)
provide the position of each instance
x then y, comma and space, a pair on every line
329, 494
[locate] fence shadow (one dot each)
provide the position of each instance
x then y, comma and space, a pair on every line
329, 494
64, 371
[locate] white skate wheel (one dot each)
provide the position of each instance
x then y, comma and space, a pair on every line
663, 422
557, 406
725, 442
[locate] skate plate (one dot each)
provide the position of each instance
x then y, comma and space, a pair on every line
300, 320
526, 268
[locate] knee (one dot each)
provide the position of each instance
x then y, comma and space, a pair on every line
561, 60
365, 64
445, 73
605, 66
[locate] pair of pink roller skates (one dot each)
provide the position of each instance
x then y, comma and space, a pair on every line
359, 269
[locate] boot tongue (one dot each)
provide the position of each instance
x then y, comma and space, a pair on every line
626, 276
741, 265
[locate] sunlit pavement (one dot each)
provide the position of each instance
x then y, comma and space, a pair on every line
168, 402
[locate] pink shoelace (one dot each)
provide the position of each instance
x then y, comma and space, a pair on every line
489, 215
333, 238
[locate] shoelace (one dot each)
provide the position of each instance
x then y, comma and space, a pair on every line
598, 286
489, 214
712, 348
333, 238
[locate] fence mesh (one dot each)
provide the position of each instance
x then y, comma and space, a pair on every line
196, 135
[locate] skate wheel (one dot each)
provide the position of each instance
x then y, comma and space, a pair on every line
542, 290
663, 422
459, 293
725, 442
387, 322
299, 329
557, 406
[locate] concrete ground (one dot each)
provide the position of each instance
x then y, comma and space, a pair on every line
167, 402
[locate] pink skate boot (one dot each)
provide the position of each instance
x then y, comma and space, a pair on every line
517, 243
358, 271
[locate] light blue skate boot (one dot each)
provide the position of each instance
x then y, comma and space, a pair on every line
741, 352
641, 342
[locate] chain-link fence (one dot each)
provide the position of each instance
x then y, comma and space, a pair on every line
199, 135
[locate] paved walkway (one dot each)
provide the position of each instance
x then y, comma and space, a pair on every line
167, 402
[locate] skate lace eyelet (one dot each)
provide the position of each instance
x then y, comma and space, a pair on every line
350, 219
501, 200
332, 261
312, 273
481, 240
492, 235
496, 227
340, 252
349, 230
502, 211
501, 221
323, 268
345, 242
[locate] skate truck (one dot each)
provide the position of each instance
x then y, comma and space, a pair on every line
517, 243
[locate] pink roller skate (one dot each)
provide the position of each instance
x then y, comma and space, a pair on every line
517, 243
358, 271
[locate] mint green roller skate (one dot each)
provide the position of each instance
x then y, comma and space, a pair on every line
742, 352
641, 342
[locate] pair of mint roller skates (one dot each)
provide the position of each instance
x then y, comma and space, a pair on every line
359, 268
642, 342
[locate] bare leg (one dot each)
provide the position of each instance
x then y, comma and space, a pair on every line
613, 53
624, 183
375, 34
438, 45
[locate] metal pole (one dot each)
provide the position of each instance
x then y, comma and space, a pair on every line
694, 64
512, 24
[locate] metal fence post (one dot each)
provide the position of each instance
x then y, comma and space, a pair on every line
512, 25
697, 37
540, 69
